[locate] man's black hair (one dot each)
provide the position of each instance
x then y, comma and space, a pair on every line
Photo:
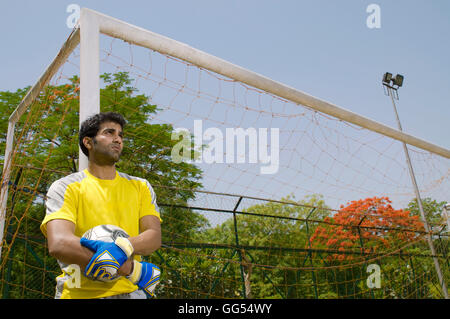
92, 124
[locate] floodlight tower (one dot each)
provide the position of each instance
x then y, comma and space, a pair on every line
391, 85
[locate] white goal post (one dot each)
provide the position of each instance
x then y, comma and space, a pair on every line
92, 24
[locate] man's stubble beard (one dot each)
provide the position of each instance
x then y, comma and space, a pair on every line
107, 157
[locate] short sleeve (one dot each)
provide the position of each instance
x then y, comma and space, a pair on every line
60, 204
148, 202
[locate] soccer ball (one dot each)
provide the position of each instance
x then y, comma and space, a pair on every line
107, 233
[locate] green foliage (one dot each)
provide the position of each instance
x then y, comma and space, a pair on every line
46, 144
432, 208
8, 102
265, 227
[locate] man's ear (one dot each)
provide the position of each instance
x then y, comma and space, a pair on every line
87, 141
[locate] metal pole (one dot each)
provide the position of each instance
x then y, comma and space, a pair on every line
238, 247
419, 202
310, 254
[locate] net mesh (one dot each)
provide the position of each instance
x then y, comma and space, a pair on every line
261, 197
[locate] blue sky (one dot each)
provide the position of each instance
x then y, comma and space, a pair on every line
322, 47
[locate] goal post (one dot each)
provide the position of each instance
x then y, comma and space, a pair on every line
67, 48
89, 71
141, 37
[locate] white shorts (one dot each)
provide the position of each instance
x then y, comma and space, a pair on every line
137, 294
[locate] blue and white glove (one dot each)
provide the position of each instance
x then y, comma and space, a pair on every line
107, 258
145, 276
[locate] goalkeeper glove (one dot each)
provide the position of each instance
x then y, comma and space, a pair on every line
107, 258
145, 276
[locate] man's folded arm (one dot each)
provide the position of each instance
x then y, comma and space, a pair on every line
64, 245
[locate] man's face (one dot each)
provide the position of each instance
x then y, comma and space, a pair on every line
107, 144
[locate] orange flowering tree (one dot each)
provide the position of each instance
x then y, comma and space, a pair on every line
365, 226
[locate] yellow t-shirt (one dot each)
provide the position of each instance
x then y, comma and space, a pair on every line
88, 201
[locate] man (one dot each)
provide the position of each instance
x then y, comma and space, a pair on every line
101, 195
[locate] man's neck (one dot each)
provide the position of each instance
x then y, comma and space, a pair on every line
102, 172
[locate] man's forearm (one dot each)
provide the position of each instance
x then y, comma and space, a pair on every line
64, 245
68, 250
147, 242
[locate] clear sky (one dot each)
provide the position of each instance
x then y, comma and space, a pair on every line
321, 47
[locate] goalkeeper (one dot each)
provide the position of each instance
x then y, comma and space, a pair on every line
102, 195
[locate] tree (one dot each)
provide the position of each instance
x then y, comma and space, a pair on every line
8, 102
361, 230
366, 226
46, 149
432, 208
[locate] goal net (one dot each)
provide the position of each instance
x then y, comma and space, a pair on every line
261, 195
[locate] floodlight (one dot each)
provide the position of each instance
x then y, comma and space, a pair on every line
398, 80
387, 77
